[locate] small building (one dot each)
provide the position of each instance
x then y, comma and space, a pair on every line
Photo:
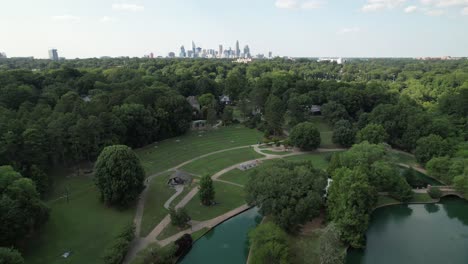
225, 99
179, 178
316, 109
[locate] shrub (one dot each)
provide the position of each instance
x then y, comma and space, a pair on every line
184, 244
179, 217
10, 256
434, 193
270, 244
305, 136
116, 253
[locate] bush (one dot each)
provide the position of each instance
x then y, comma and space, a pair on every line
270, 244
207, 192
434, 193
179, 217
184, 244
10, 256
331, 248
116, 253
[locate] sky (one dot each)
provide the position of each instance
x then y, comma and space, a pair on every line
297, 28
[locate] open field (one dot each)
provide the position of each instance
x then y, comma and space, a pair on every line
217, 162
276, 152
236, 176
83, 225
227, 197
326, 132
172, 152
154, 210
319, 160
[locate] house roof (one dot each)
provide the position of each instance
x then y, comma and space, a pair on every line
181, 174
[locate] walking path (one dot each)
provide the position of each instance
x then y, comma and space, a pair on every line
141, 243
179, 189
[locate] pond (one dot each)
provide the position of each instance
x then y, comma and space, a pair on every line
226, 243
417, 233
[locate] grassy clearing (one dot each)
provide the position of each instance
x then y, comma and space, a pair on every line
83, 225
169, 231
306, 248
228, 197
169, 153
236, 176
154, 210
319, 160
385, 200
421, 198
196, 235
326, 132
276, 152
401, 157
215, 163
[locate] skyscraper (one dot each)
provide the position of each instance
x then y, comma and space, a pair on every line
2, 55
220, 51
237, 50
270, 55
182, 54
247, 51
194, 48
53, 55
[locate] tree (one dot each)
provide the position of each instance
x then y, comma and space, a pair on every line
301, 187
412, 179
439, 168
372, 133
179, 217
119, 175
140, 125
207, 100
207, 192
401, 190
333, 112
10, 256
331, 248
431, 146
343, 133
184, 244
22, 212
211, 117
434, 193
305, 136
228, 113
350, 202
270, 244
274, 115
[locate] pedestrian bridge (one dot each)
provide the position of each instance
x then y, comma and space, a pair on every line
449, 191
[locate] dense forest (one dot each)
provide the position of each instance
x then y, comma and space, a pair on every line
56, 114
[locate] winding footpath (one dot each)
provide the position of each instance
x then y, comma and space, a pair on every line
140, 243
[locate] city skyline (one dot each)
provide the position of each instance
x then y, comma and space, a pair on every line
296, 28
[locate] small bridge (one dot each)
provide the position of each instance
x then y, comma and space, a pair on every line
448, 191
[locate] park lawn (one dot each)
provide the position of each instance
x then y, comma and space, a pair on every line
326, 131
386, 200
421, 198
84, 226
215, 163
318, 159
305, 248
169, 153
153, 247
196, 235
154, 210
228, 197
236, 176
401, 157
276, 152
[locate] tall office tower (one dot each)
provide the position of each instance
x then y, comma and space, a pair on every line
151, 55
237, 49
194, 48
270, 55
182, 54
198, 51
220, 51
171, 55
190, 53
2, 55
247, 51
53, 55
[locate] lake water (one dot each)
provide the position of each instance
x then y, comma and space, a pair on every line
417, 234
226, 243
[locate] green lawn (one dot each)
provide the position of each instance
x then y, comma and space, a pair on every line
154, 210
236, 176
305, 249
385, 200
421, 198
83, 226
318, 159
401, 157
228, 197
326, 132
169, 153
215, 163
276, 152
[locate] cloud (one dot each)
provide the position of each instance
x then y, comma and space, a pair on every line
464, 11
128, 7
66, 18
298, 4
106, 19
411, 9
349, 30
435, 12
376, 5
449, 3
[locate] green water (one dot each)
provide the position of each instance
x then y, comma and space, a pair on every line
226, 243
426, 234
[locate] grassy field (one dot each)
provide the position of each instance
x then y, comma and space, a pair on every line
385, 199
169, 153
227, 197
318, 159
154, 210
83, 225
421, 198
401, 157
326, 132
236, 176
276, 152
215, 163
